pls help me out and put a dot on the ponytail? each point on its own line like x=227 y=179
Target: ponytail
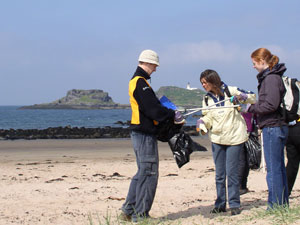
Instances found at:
x=273 y=61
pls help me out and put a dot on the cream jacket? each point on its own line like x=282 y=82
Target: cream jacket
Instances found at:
x=226 y=126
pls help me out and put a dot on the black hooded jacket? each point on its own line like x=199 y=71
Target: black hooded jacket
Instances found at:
x=147 y=111
x=270 y=93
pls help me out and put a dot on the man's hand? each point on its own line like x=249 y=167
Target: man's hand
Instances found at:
x=178 y=119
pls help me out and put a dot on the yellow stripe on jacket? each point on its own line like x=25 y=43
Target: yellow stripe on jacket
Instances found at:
x=135 y=116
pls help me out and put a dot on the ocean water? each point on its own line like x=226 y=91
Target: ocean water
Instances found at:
x=13 y=118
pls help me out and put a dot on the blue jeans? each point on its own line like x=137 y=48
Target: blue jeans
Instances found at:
x=274 y=139
x=226 y=159
x=143 y=185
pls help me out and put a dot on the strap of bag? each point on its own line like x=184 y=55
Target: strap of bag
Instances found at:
x=226 y=90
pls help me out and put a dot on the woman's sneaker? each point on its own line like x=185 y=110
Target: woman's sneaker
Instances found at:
x=244 y=191
x=235 y=211
x=218 y=210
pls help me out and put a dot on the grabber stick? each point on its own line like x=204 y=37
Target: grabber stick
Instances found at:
x=262 y=152
x=194 y=110
x=209 y=105
x=210 y=108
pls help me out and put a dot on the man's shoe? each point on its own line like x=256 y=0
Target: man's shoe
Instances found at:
x=124 y=217
x=145 y=219
x=244 y=191
x=218 y=210
x=235 y=211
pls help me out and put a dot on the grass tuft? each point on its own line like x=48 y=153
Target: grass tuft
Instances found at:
x=279 y=215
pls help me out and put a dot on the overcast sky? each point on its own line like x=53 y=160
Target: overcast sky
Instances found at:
x=48 y=47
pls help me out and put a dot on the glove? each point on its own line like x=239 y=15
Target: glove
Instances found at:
x=244 y=108
x=243 y=97
x=200 y=127
x=239 y=98
x=178 y=119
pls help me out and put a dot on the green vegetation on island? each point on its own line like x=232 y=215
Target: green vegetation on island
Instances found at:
x=181 y=96
x=98 y=99
x=81 y=99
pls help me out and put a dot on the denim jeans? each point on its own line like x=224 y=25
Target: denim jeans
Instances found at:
x=143 y=184
x=226 y=159
x=274 y=139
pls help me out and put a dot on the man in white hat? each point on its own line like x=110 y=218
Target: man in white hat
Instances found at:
x=147 y=113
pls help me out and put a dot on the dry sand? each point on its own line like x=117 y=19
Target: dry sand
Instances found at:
x=70 y=181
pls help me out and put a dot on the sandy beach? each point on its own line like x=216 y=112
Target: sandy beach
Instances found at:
x=79 y=181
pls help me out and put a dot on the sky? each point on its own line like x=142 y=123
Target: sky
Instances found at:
x=48 y=47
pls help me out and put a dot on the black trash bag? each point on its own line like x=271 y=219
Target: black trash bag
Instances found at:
x=253 y=148
x=182 y=146
x=167 y=129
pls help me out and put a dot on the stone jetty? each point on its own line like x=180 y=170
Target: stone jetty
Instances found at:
x=73 y=133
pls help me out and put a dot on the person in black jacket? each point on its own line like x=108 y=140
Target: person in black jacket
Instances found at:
x=273 y=125
x=147 y=114
x=293 y=153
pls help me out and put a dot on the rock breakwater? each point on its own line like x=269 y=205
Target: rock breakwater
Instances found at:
x=73 y=133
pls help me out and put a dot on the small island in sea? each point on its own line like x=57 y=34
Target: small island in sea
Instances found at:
x=81 y=99
x=98 y=99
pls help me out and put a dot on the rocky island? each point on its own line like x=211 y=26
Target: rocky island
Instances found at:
x=98 y=99
x=81 y=99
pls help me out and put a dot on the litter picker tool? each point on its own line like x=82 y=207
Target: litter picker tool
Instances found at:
x=167 y=103
x=210 y=107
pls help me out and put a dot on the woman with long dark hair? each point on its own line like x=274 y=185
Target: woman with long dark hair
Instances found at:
x=227 y=131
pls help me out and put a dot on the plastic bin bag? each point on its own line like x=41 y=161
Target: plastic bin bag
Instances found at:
x=253 y=148
x=167 y=129
x=182 y=146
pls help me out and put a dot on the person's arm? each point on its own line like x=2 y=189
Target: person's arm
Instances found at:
x=242 y=96
x=205 y=122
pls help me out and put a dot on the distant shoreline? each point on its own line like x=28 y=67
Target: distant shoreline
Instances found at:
x=88 y=107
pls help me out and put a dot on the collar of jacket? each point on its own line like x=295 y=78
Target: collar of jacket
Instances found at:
x=140 y=72
x=223 y=86
x=278 y=69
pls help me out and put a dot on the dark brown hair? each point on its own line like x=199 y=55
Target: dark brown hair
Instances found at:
x=214 y=79
x=265 y=54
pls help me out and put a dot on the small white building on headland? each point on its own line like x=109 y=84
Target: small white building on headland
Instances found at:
x=188 y=86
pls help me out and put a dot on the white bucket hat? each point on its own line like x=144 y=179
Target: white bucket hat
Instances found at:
x=149 y=56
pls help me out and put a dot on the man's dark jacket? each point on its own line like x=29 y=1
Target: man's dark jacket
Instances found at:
x=150 y=111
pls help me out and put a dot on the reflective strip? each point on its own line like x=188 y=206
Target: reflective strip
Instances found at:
x=135 y=116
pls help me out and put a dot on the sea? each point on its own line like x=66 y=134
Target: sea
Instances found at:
x=11 y=117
